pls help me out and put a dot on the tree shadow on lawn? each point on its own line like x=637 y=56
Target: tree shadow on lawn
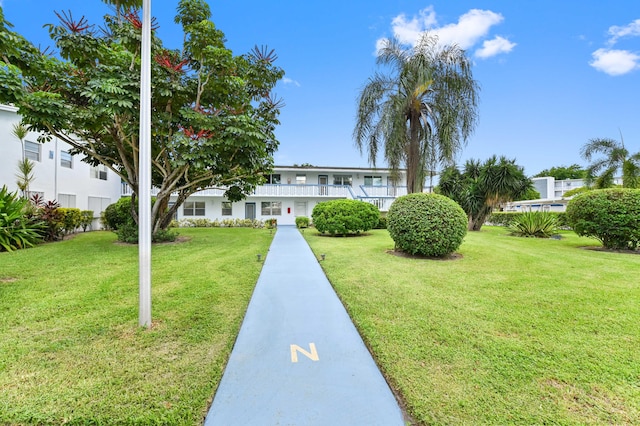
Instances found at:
x=399 y=253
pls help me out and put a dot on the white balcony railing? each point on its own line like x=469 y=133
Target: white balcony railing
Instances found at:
x=383 y=191
x=329 y=191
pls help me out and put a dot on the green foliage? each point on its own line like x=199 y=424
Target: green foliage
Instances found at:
x=426 y=224
x=534 y=224
x=382 y=223
x=615 y=157
x=118 y=214
x=214 y=113
x=574 y=171
x=507 y=218
x=342 y=217
x=302 y=222
x=226 y=223
x=610 y=215
x=16 y=231
x=481 y=187
x=421 y=113
x=71 y=219
x=49 y=213
x=270 y=223
x=576 y=191
x=86 y=218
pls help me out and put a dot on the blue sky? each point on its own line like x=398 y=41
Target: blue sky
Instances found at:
x=553 y=73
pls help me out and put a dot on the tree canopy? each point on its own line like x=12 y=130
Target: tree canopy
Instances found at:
x=574 y=171
x=213 y=113
x=422 y=112
x=481 y=187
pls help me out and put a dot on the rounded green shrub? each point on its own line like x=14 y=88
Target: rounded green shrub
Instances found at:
x=302 y=222
x=118 y=214
x=427 y=224
x=342 y=217
x=609 y=215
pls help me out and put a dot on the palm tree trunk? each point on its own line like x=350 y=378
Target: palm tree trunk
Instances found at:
x=414 y=183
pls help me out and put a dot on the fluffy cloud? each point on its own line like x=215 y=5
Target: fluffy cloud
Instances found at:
x=494 y=47
x=615 y=62
x=616 y=32
x=471 y=28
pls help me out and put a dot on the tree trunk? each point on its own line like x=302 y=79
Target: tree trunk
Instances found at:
x=414 y=183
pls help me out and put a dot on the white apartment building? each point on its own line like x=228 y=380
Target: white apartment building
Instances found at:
x=58 y=175
x=552 y=194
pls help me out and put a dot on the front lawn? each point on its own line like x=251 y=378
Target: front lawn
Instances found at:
x=517 y=331
x=71 y=349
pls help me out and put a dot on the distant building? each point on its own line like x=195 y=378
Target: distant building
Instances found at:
x=552 y=194
x=58 y=175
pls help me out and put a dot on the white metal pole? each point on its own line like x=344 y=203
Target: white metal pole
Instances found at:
x=144 y=191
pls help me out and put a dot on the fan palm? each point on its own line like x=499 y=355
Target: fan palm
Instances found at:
x=601 y=171
x=426 y=105
x=481 y=187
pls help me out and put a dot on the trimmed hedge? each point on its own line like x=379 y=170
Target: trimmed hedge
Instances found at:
x=610 y=215
x=302 y=222
x=507 y=218
x=427 y=224
x=342 y=217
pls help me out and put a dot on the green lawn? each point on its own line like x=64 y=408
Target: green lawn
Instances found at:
x=519 y=330
x=71 y=349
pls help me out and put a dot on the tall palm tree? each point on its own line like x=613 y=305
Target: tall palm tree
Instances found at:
x=428 y=103
x=601 y=171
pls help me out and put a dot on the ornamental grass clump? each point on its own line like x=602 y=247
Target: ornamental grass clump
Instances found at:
x=612 y=216
x=534 y=224
x=426 y=224
x=344 y=217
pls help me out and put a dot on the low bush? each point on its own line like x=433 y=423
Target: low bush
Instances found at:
x=118 y=214
x=270 y=223
x=534 y=224
x=382 y=223
x=426 y=224
x=302 y=222
x=71 y=219
x=86 y=218
x=342 y=217
x=507 y=218
x=16 y=230
x=610 y=215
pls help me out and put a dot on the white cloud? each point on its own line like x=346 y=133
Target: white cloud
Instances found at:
x=287 y=80
x=615 y=62
x=494 y=47
x=471 y=28
x=616 y=32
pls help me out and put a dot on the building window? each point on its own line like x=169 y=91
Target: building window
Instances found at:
x=271 y=208
x=301 y=179
x=98 y=205
x=193 y=208
x=99 y=172
x=32 y=150
x=66 y=160
x=67 y=200
x=273 y=179
x=373 y=181
x=342 y=180
x=226 y=208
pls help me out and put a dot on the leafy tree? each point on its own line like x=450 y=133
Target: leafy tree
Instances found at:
x=420 y=114
x=481 y=187
x=601 y=171
x=574 y=171
x=213 y=114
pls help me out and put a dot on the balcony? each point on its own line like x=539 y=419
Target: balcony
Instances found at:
x=323 y=191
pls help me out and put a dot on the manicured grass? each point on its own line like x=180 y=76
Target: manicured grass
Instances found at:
x=518 y=331
x=71 y=349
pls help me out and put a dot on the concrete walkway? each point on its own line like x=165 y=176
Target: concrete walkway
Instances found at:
x=298 y=359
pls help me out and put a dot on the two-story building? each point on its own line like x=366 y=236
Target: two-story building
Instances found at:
x=58 y=175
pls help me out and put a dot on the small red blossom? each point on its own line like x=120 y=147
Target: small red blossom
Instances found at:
x=166 y=61
x=193 y=135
